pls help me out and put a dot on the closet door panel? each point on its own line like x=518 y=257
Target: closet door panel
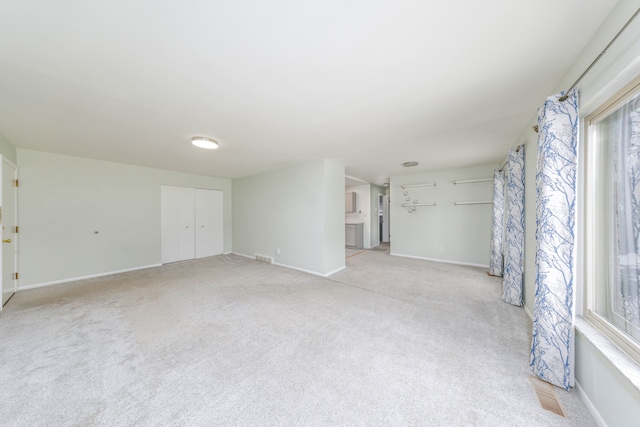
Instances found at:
x=186 y=210
x=170 y=223
x=202 y=217
x=191 y=222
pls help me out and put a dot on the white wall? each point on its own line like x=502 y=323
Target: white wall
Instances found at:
x=612 y=396
x=8 y=150
x=63 y=201
x=298 y=210
x=363 y=214
x=445 y=232
x=334 y=238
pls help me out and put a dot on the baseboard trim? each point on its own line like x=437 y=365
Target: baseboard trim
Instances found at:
x=335 y=271
x=243 y=255
x=304 y=270
x=90 y=276
x=526 y=310
x=592 y=409
x=445 y=261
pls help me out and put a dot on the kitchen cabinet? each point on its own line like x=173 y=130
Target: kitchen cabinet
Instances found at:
x=351 y=202
x=354 y=235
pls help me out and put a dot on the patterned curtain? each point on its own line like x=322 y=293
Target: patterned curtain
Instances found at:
x=553 y=315
x=497 y=225
x=514 y=246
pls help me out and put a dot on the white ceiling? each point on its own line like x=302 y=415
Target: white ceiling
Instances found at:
x=367 y=83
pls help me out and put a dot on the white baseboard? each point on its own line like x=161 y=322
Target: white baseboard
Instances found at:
x=335 y=271
x=526 y=310
x=90 y=276
x=445 y=261
x=315 y=273
x=243 y=255
x=592 y=409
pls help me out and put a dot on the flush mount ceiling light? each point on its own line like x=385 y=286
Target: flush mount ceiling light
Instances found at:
x=204 y=142
x=409 y=164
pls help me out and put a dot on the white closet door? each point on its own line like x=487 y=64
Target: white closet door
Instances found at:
x=191 y=222
x=170 y=223
x=186 y=209
x=203 y=209
x=208 y=217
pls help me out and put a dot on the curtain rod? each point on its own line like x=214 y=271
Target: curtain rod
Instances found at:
x=473 y=203
x=470 y=181
x=408 y=205
x=428 y=184
x=566 y=94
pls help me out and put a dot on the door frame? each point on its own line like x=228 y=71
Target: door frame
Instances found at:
x=4 y=161
x=386 y=213
x=379 y=217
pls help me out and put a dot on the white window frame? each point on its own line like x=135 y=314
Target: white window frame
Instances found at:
x=592 y=188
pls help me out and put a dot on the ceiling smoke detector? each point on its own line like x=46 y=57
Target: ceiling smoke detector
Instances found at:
x=409 y=164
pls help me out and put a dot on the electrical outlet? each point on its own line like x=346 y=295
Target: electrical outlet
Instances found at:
x=278 y=251
x=439 y=248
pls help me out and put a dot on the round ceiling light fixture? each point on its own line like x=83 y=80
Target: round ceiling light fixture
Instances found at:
x=204 y=142
x=409 y=164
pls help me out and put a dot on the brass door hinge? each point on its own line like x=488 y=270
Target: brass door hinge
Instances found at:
x=16 y=229
x=15 y=183
x=15 y=275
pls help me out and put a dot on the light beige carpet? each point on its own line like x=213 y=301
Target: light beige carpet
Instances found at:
x=352 y=252
x=230 y=341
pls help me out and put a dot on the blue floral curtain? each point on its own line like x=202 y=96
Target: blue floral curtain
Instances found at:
x=497 y=225
x=553 y=314
x=514 y=245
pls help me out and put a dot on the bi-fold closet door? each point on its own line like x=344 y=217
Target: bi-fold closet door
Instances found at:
x=191 y=222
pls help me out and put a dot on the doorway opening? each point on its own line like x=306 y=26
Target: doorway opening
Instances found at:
x=383 y=218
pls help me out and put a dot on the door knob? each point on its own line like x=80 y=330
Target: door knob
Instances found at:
x=6 y=241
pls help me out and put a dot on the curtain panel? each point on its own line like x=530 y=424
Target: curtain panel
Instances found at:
x=514 y=241
x=553 y=310
x=497 y=224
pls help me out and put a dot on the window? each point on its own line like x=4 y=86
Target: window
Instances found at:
x=612 y=219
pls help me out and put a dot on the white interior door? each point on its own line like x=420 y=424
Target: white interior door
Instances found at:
x=9 y=223
x=170 y=223
x=186 y=215
x=191 y=222
x=385 y=219
x=203 y=222
x=208 y=217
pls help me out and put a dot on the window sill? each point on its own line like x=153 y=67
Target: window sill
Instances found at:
x=619 y=359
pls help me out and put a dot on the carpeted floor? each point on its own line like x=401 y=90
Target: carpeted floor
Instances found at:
x=230 y=341
x=352 y=252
